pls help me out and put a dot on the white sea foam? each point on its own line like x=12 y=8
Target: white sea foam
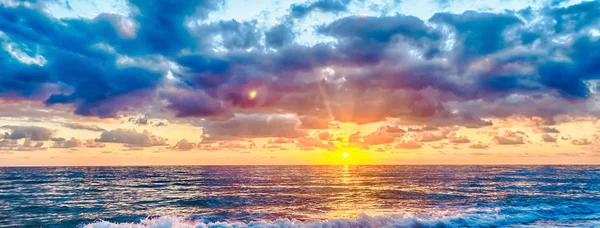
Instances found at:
x=362 y=221
x=473 y=217
x=486 y=218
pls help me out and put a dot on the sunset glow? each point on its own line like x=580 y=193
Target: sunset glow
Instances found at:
x=299 y=113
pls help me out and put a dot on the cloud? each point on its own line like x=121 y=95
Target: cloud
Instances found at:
x=425 y=128
x=254 y=126
x=71 y=143
x=274 y=146
x=408 y=145
x=448 y=70
x=385 y=134
x=510 y=138
x=548 y=138
x=307 y=142
x=75 y=143
x=355 y=138
x=311 y=122
x=183 y=144
x=454 y=138
x=139 y=120
x=90 y=143
x=145 y=120
x=233 y=34
x=233 y=145
x=479 y=154
x=393 y=129
x=581 y=142
x=549 y=130
x=324 y=135
x=439 y=145
x=473 y=36
x=381 y=136
x=193 y=103
x=478 y=145
x=279 y=35
x=573 y=154
x=160 y=124
x=329 y=6
x=280 y=140
x=131 y=138
x=78 y=126
x=27 y=145
x=71 y=49
x=433 y=137
x=28 y=132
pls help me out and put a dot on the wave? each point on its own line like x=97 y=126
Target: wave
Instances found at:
x=480 y=218
x=361 y=221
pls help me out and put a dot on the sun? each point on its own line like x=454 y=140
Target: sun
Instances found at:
x=345 y=155
x=252 y=94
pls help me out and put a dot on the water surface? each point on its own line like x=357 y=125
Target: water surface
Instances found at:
x=331 y=196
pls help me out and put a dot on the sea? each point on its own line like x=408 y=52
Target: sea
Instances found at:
x=301 y=196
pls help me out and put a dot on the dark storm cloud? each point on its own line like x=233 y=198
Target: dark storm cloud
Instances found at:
x=452 y=69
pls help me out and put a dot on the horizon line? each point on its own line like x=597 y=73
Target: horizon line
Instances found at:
x=214 y=165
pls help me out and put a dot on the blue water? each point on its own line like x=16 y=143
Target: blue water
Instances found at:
x=301 y=196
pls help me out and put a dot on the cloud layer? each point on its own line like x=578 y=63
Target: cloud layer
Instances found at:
x=239 y=80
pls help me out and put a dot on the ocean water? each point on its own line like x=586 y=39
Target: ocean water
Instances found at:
x=301 y=196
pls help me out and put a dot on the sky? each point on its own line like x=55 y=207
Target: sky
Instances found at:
x=286 y=82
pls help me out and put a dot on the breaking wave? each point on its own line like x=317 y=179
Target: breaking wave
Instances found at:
x=479 y=218
x=361 y=221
